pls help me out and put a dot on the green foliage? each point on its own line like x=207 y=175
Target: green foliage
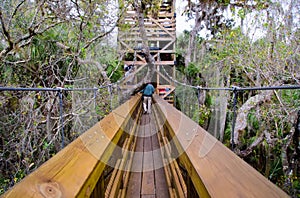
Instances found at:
x=114 y=70
x=151 y=7
x=53 y=56
x=253 y=122
x=204 y=115
x=291 y=97
x=235 y=59
x=241 y=13
x=180 y=63
x=192 y=73
x=228 y=130
x=224 y=2
x=192 y=70
x=182 y=42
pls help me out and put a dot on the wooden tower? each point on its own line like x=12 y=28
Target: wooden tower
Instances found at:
x=161 y=35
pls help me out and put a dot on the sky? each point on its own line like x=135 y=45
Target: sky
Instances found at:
x=252 y=22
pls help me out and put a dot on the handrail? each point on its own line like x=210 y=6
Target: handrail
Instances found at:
x=76 y=170
x=215 y=171
x=79 y=170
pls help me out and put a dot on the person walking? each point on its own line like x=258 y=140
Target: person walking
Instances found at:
x=147 y=97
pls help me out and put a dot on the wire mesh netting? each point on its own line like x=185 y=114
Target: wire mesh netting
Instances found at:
x=35 y=125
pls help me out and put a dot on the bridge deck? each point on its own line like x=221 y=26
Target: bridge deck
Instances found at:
x=147 y=178
x=173 y=157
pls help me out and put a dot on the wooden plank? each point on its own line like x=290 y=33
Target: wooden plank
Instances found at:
x=152 y=33
x=148 y=186
x=214 y=169
x=169 y=44
x=151 y=39
x=129 y=48
x=112 y=179
x=155 y=51
x=156 y=63
x=168 y=92
x=134 y=185
x=164 y=162
x=152 y=28
x=148 y=196
x=59 y=176
x=135 y=179
x=131 y=148
x=131 y=22
x=160 y=178
x=118 y=179
x=161 y=20
x=129 y=165
x=133 y=13
x=126 y=46
x=162 y=27
x=161 y=185
x=179 y=189
x=155 y=32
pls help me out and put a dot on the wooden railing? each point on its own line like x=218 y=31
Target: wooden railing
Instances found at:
x=209 y=168
x=196 y=164
x=79 y=170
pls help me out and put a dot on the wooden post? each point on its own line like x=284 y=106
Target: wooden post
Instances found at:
x=160 y=31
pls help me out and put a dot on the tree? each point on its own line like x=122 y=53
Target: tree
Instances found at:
x=210 y=15
x=144 y=9
x=50 y=44
x=265 y=131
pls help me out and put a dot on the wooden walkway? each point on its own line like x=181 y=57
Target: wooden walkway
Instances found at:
x=193 y=163
x=147 y=179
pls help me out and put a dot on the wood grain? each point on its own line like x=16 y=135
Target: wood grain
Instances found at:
x=214 y=169
x=75 y=170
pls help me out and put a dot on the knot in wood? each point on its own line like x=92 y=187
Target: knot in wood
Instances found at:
x=50 y=189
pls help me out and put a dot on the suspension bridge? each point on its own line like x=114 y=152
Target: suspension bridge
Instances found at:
x=131 y=154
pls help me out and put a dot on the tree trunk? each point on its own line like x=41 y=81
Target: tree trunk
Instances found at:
x=241 y=119
x=193 y=34
x=149 y=58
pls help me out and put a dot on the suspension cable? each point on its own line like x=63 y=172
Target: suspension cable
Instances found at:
x=52 y=89
x=60 y=94
x=233 y=88
x=60 y=91
x=130 y=75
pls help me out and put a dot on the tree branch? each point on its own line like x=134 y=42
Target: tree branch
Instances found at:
x=31 y=34
x=100 y=67
x=241 y=120
x=6 y=34
x=15 y=12
x=254 y=144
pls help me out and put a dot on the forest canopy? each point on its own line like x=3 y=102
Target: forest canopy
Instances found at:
x=71 y=44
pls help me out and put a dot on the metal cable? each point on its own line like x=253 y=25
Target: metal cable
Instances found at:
x=60 y=91
x=233 y=88
x=235 y=95
x=52 y=89
x=235 y=91
x=60 y=94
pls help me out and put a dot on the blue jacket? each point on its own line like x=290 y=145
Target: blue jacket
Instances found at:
x=149 y=90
